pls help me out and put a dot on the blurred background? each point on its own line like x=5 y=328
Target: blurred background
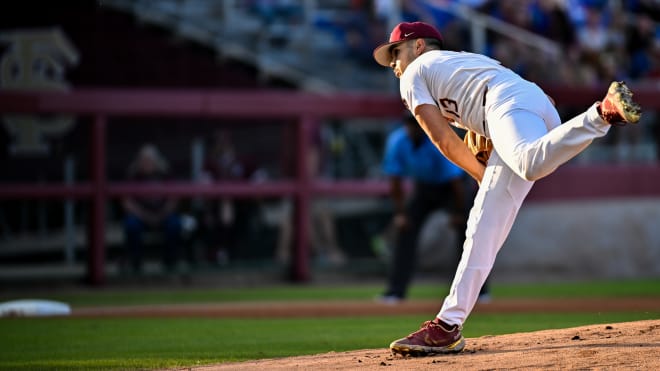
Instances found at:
x=213 y=178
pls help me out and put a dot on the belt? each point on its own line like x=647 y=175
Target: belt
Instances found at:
x=483 y=104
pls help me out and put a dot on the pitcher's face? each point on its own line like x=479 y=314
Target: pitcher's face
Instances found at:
x=401 y=56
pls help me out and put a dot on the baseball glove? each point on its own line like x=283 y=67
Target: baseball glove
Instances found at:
x=480 y=146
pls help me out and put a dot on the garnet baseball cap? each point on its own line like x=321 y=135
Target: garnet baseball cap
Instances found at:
x=403 y=32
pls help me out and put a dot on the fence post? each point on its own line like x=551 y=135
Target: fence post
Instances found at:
x=69 y=219
x=96 y=232
x=301 y=201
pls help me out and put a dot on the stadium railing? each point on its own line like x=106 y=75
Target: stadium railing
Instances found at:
x=100 y=104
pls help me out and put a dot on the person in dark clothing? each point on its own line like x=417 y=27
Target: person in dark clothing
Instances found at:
x=151 y=212
x=437 y=185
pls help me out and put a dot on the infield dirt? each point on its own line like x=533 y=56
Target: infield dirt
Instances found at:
x=617 y=346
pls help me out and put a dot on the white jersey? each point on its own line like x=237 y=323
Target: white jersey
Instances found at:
x=456 y=82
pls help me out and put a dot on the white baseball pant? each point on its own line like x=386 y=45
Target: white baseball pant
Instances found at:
x=528 y=145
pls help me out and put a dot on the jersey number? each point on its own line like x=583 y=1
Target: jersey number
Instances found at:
x=450 y=106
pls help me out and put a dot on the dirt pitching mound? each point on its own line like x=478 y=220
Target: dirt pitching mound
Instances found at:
x=629 y=345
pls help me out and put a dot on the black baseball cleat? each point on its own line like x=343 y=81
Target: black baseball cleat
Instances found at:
x=618 y=107
x=434 y=337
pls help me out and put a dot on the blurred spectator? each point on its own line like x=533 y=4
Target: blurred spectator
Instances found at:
x=511 y=52
x=594 y=35
x=515 y=12
x=271 y=11
x=648 y=7
x=277 y=16
x=223 y=219
x=550 y=19
x=323 y=235
x=363 y=29
x=438 y=185
x=598 y=39
x=359 y=26
x=144 y=213
x=641 y=45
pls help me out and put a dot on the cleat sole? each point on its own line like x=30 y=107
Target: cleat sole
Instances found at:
x=631 y=111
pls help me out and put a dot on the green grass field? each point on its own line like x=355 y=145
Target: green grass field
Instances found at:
x=132 y=296
x=150 y=343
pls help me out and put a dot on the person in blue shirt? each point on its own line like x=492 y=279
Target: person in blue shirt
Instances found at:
x=437 y=184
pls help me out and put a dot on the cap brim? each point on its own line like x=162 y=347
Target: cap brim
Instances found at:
x=382 y=53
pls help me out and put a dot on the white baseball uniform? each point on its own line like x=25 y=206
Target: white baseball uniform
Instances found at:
x=477 y=93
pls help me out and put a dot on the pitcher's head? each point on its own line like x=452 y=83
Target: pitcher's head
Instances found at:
x=408 y=40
